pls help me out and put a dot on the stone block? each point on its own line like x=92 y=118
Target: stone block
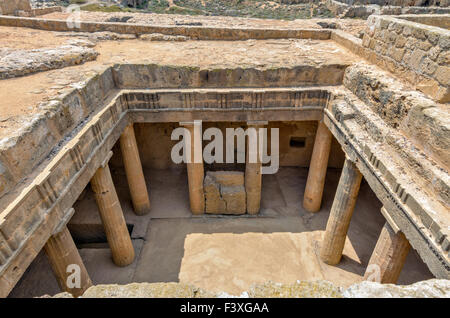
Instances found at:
x=428 y=66
x=214 y=202
x=224 y=192
x=443 y=75
x=397 y=54
x=235 y=198
x=400 y=41
x=416 y=59
x=444 y=58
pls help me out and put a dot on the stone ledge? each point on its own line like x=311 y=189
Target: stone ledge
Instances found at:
x=197 y=33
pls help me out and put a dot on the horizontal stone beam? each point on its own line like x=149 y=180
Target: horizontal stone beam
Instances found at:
x=195 y=32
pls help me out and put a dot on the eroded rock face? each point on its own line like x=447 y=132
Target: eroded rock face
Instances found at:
x=146 y=290
x=224 y=192
x=433 y=288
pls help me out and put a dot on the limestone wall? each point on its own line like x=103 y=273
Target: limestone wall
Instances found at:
x=8 y=7
x=420 y=52
x=365 y=8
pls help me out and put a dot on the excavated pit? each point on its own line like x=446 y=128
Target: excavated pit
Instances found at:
x=379 y=122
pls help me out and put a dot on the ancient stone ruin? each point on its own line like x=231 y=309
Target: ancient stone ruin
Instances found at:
x=342 y=191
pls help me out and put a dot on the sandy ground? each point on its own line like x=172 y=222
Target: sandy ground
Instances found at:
x=224 y=253
x=20 y=97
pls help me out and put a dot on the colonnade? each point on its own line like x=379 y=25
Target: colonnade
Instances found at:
x=385 y=263
x=60 y=248
x=392 y=246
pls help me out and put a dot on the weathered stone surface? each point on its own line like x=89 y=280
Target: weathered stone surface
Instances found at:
x=228 y=178
x=225 y=192
x=213 y=200
x=99 y=36
x=60 y=295
x=146 y=290
x=420 y=43
x=433 y=288
x=163 y=37
x=234 y=198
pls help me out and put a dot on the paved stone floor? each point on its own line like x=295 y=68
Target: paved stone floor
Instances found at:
x=223 y=253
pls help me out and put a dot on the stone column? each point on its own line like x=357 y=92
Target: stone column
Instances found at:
x=388 y=257
x=253 y=177
x=341 y=214
x=195 y=168
x=112 y=216
x=133 y=169
x=67 y=264
x=317 y=169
